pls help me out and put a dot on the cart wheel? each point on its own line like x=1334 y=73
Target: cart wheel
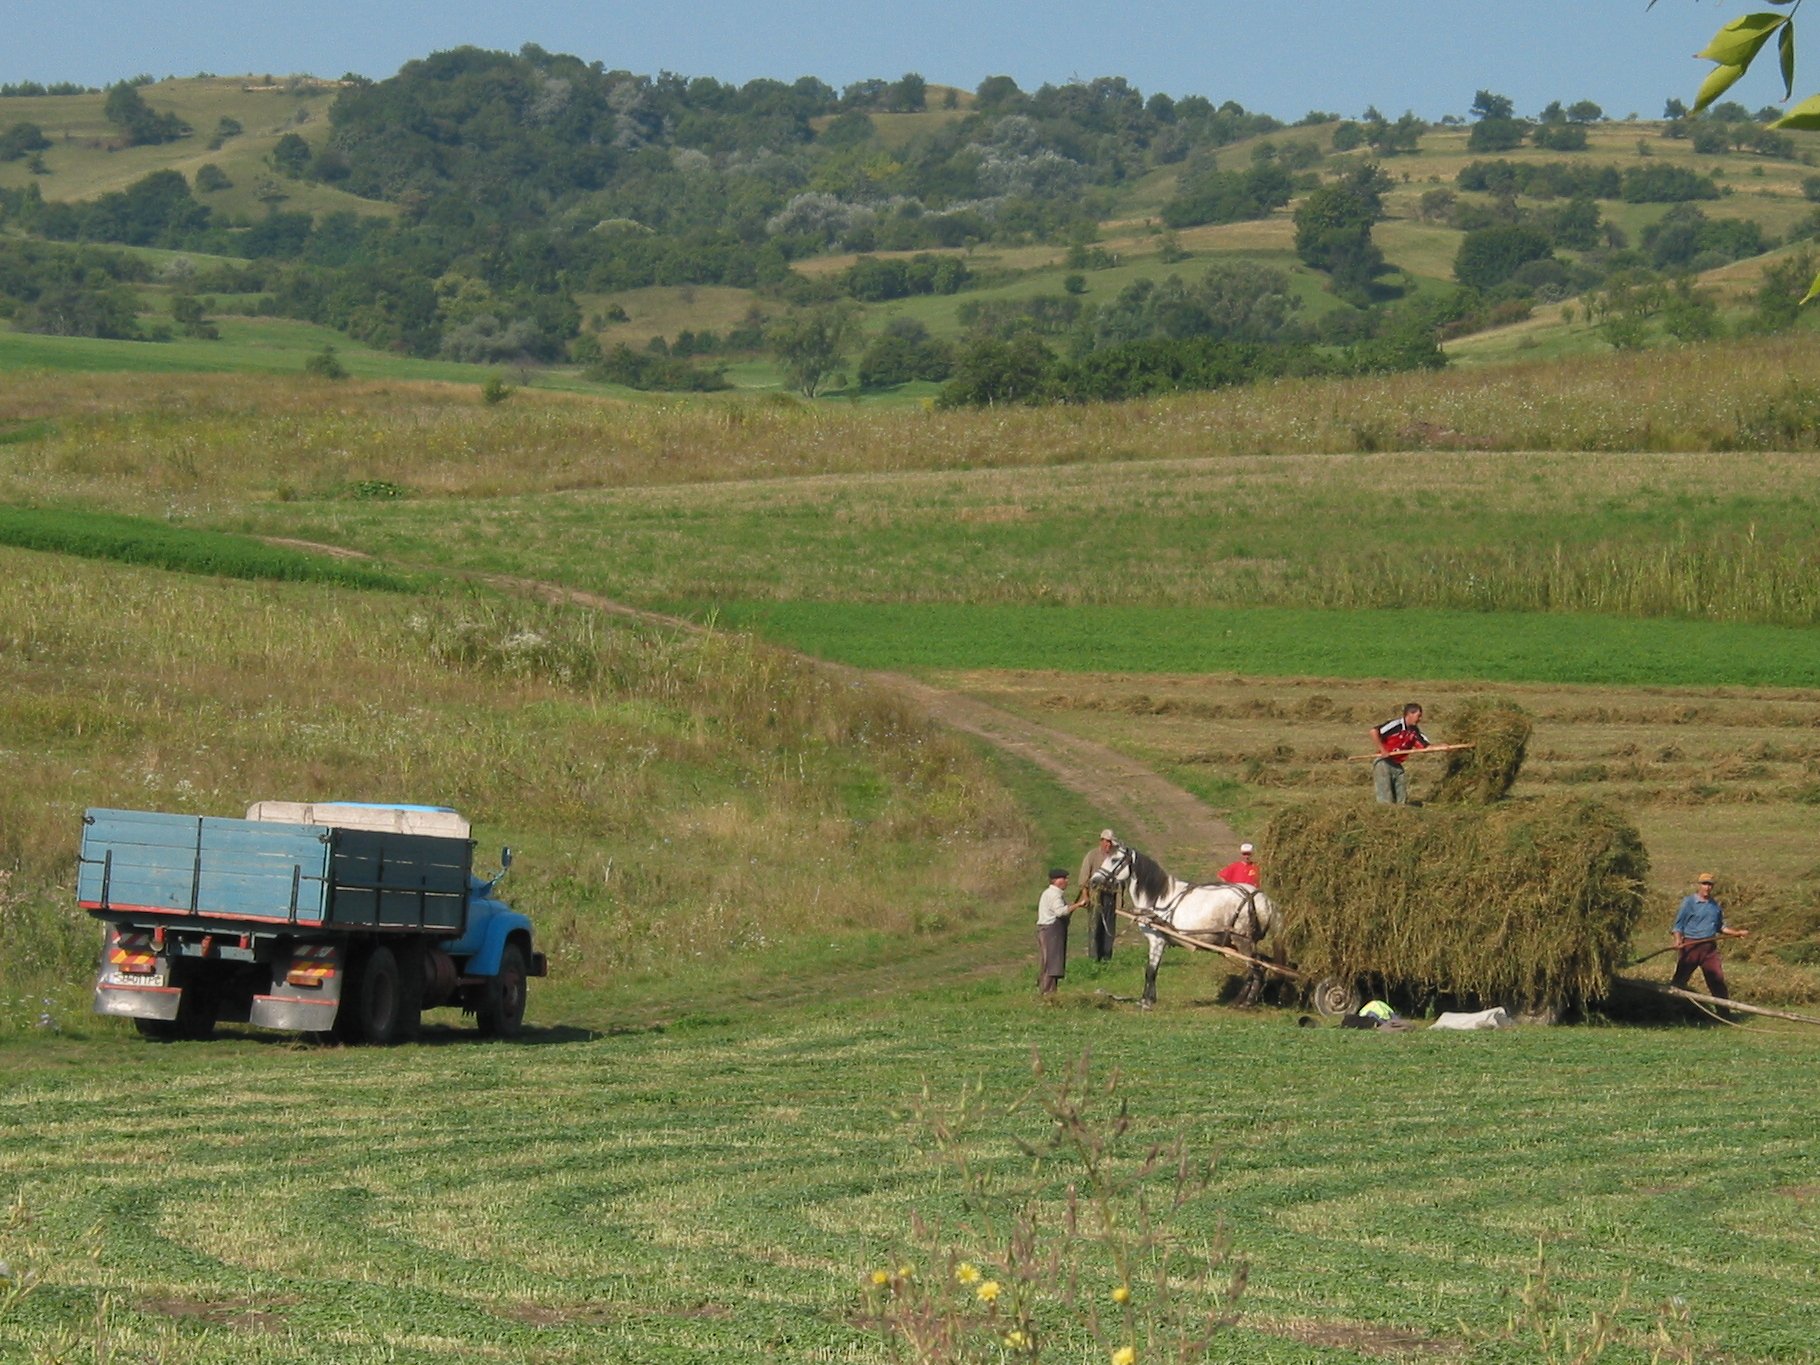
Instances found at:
x=1335 y=996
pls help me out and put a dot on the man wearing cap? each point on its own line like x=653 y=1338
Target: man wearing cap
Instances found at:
x=1244 y=869
x=1395 y=738
x=1699 y=925
x=1052 y=911
x=1106 y=901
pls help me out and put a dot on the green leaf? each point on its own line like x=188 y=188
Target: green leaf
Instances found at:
x=1805 y=115
x=1786 y=44
x=1738 y=43
x=1813 y=290
x=1715 y=85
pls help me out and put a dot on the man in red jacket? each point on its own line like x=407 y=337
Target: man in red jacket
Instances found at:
x=1244 y=869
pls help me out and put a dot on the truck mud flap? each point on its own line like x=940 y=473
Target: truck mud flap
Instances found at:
x=305 y=994
x=137 y=1002
x=311 y=1015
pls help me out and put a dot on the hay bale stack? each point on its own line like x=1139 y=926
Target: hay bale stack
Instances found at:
x=1526 y=903
x=1499 y=731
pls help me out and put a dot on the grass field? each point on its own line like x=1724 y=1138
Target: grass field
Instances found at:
x=1700 y=537
x=718 y=1189
x=85 y=161
x=1438 y=645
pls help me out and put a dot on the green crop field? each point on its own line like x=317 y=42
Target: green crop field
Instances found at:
x=1450 y=645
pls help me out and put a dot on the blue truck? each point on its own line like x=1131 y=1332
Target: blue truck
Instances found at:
x=343 y=918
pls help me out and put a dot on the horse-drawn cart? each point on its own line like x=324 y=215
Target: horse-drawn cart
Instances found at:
x=1526 y=905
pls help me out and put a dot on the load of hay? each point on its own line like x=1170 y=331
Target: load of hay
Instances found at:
x=1526 y=903
x=1498 y=731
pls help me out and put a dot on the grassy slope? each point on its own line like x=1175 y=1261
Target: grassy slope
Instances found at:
x=698 y=1157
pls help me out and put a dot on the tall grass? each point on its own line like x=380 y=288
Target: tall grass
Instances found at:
x=210 y=437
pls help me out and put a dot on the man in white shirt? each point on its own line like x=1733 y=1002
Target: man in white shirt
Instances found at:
x=1052 y=912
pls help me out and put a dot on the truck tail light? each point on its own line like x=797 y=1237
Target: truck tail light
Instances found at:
x=312 y=964
x=132 y=952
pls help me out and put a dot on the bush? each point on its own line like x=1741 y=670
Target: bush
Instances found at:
x=325 y=364
x=1564 y=137
x=1666 y=185
x=654 y=371
x=1490 y=256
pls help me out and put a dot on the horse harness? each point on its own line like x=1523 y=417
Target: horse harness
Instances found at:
x=1250 y=893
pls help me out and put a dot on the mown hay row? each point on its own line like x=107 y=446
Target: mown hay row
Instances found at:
x=1524 y=903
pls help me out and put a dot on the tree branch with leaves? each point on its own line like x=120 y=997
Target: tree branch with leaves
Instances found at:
x=1732 y=51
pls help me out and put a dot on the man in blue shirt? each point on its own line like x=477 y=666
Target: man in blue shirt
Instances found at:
x=1699 y=926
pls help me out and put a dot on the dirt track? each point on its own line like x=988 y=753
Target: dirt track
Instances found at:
x=1144 y=808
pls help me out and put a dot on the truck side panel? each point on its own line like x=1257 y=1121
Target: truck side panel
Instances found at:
x=213 y=868
x=399 y=880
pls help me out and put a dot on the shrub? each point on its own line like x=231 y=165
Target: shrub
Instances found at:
x=325 y=364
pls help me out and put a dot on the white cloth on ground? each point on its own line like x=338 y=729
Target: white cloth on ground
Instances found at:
x=1491 y=1018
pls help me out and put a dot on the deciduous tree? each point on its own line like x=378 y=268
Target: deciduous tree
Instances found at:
x=809 y=344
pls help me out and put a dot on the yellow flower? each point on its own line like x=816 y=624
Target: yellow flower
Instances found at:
x=1121 y=1294
x=904 y=1272
x=880 y=1277
x=967 y=1273
x=1125 y=1355
x=1015 y=1339
x=988 y=1292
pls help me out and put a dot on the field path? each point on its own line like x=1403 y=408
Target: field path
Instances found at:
x=1144 y=807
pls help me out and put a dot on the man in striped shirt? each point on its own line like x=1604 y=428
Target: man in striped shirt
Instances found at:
x=1396 y=738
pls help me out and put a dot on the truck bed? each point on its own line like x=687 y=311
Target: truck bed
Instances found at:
x=207 y=868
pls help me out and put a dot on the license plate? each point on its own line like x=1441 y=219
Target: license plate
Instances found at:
x=134 y=979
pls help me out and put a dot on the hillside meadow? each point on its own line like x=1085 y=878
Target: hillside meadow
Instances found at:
x=781 y=906
x=1091 y=261
x=136 y=440
x=673 y=796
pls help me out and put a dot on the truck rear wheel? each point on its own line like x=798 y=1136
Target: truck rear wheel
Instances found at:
x=373 y=1008
x=413 y=971
x=502 y=1003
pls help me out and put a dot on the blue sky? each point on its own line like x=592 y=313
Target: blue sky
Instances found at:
x=1283 y=59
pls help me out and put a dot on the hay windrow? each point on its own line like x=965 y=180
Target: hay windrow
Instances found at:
x=1499 y=732
x=1524 y=903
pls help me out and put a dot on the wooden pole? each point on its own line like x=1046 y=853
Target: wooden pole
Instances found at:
x=1182 y=939
x=1408 y=753
x=1718 y=1001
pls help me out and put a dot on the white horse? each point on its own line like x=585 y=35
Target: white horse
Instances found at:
x=1230 y=914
